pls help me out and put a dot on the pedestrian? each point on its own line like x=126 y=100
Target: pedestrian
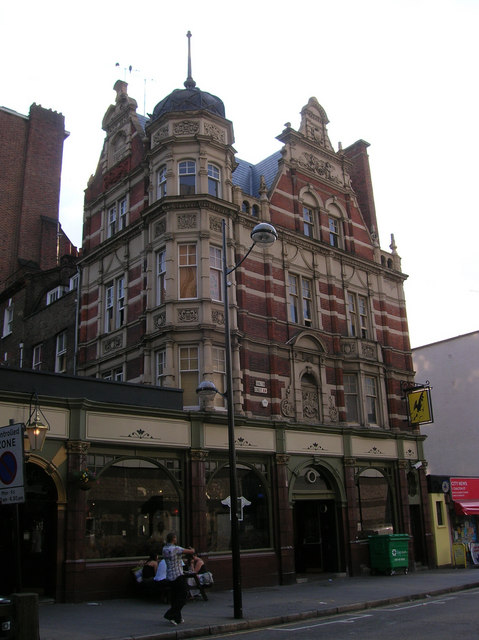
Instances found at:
x=174 y=574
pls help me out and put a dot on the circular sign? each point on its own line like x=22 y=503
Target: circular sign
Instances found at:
x=8 y=467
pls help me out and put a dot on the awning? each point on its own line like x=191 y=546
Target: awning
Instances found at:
x=467 y=507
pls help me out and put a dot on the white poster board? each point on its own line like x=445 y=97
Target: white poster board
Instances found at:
x=11 y=464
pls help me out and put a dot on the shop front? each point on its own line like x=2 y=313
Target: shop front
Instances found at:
x=465 y=515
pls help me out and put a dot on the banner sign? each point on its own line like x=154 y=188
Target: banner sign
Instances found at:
x=11 y=464
x=464 y=488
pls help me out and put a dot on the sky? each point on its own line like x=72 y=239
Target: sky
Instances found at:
x=400 y=74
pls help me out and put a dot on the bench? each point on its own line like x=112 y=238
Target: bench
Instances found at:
x=198 y=585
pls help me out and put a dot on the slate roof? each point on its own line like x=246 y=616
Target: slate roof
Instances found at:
x=143 y=120
x=247 y=175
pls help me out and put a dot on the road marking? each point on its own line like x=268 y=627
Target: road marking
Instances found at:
x=414 y=606
x=323 y=624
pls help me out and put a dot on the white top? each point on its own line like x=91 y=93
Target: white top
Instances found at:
x=161 y=571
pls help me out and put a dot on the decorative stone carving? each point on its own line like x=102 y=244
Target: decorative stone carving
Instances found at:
x=186 y=221
x=186 y=128
x=160 y=134
x=333 y=411
x=215 y=224
x=242 y=442
x=217 y=317
x=199 y=455
x=118 y=123
x=368 y=350
x=310 y=405
x=315 y=446
x=113 y=343
x=375 y=451
x=287 y=406
x=140 y=434
x=320 y=167
x=215 y=132
x=349 y=347
x=187 y=315
x=160 y=320
x=160 y=228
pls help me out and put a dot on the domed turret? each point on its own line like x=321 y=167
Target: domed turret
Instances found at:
x=190 y=98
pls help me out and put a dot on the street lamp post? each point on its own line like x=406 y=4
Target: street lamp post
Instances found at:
x=263 y=234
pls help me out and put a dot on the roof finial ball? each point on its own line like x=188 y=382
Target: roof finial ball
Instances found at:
x=189 y=82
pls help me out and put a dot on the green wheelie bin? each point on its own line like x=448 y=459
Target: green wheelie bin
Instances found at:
x=387 y=553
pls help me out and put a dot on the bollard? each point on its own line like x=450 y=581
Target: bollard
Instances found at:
x=25 y=606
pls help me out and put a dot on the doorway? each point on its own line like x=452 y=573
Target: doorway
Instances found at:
x=418 y=534
x=28 y=539
x=316 y=536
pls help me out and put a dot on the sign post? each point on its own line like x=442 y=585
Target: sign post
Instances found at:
x=12 y=490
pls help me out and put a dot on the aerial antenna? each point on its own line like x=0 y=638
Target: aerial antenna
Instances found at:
x=189 y=82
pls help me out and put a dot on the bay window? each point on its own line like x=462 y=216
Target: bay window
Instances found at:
x=189 y=374
x=160 y=277
x=214 y=185
x=187 y=271
x=216 y=272
x=187 y=177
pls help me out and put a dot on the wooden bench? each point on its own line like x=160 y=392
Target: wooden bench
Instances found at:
x=198 y=585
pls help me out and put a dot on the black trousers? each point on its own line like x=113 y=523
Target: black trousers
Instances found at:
x=178 y=599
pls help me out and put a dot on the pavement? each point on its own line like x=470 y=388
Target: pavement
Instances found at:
x=310 y=597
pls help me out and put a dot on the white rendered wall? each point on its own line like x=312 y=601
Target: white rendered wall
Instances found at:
x=452 y=368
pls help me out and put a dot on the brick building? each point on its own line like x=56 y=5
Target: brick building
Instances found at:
x=319 y=336
x=320 y=352
x=37 y=260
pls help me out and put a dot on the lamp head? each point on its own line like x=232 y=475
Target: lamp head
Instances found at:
x=35 y=427
x=206 y=391
x=264 y=233
x=206 y=388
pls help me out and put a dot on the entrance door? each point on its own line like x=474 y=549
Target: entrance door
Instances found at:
x=315 y=536
x=28 y=551
x=418 y=534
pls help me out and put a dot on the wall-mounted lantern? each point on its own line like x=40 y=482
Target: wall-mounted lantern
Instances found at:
x=37 y=425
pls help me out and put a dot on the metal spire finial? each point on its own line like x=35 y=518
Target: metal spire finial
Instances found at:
x=189 y=82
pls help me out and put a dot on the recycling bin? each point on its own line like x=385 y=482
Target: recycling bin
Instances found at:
x=387 y=553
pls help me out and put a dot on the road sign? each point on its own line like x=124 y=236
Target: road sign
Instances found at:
x=11 y=464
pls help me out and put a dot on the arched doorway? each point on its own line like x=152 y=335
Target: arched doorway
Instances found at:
x=28 y=538
x=317 y=522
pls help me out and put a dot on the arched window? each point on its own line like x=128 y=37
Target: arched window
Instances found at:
x=187 y=177
x=254 y=530
x=245 y=206
x=131 y=508
x=255 y=211
x=335 y=235
x=375 y=502
x=310 y=395
x=308 y=222
x=214 y=184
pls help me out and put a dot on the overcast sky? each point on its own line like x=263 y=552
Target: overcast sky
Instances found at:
x=400 y=74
